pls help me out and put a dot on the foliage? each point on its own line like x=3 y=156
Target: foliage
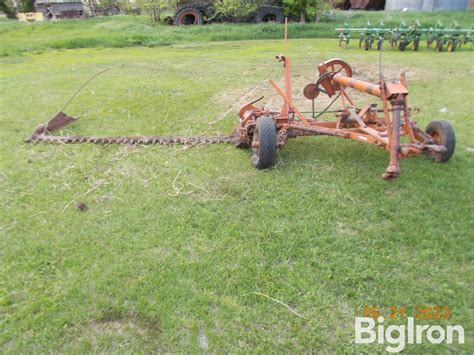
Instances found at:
x=26 y=6
x=155 y=8
x=7 y=8
x=309 y=9
x=235 y=8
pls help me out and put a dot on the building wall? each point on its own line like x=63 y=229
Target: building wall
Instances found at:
x=427 y=5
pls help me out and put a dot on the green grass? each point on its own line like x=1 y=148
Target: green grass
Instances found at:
x=147 y=270
x=127 y=31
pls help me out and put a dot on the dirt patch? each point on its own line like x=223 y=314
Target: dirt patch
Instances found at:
x=114 y=331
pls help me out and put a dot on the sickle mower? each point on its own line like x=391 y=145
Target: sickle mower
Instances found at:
x=264 y=130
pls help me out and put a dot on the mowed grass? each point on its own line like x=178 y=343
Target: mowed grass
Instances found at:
x=177 y=244
x=129 y=31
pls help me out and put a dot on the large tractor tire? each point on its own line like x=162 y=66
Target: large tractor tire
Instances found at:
x=189 y=15
x=264 y=140
x=269 y=14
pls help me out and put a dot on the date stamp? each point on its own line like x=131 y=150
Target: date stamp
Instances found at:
x=401 y=312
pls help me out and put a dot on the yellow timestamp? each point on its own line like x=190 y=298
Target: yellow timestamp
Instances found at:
x=401 y=312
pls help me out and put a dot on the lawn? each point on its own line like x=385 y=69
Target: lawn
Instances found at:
x=129 y=31
x=179 y=248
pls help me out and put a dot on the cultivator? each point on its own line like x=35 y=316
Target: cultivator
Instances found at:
x=403 y=36
x=389 y=126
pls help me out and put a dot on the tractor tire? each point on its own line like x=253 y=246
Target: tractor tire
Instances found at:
x=189 y=15
x=402 y=46
x=441 y=133
x=452 y=45
x=416 y=44
x=269 y=14
x=263 y=156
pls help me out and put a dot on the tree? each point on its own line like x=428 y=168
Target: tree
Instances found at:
x=306 y=9
x=7 y=8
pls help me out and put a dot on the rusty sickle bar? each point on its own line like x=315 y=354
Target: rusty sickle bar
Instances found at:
x=42 y=134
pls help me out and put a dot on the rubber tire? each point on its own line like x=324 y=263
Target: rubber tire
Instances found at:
x=416 y=44
x=265 y=132
x=446 y=137
x=266 y=11
x=192 y=10
x=402 y=46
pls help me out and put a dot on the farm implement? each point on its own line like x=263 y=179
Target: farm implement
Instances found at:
x=263 y=130
x=403 y=36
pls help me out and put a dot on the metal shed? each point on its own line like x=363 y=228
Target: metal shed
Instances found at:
x=426 y=5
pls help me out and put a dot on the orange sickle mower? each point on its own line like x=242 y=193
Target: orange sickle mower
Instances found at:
x=264 y=130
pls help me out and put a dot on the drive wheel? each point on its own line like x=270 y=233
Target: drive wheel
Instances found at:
x=264 y=140
x=441 y=133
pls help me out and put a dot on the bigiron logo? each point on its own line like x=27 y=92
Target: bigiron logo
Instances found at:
x=397 y=336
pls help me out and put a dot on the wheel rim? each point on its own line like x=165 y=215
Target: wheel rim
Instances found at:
x=436 y=138
x=188 y=18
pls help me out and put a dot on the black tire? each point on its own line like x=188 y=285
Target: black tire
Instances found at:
x=269 y=14
x=441 y=133
x=264 y=135
x=402 y=45
x=416 y=44
x=189 y=15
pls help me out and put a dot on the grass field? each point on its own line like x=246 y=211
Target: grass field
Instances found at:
x=179 y=246
x=127 y=31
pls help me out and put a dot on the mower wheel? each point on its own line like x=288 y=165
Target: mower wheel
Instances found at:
x=264 y=140
x=441 y=133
